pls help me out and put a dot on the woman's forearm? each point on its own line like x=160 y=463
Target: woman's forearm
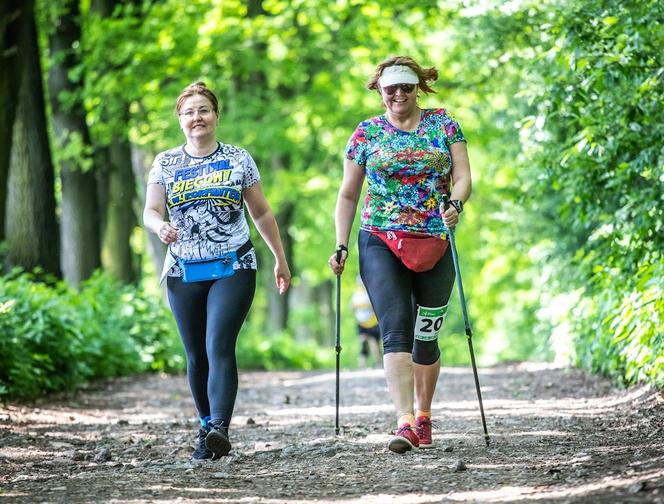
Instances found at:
x=349 y=195
x=266 y=224
x=344 y=216
x=462 y=184
x=152 y=220
x=462 y=188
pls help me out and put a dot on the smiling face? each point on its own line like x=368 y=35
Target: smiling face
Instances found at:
x=198 y=118
x=398 y=100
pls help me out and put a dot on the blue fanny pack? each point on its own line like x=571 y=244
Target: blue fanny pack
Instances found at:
x=200 y=270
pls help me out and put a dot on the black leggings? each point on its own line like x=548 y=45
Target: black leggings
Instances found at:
x=209 y=316
x=395 y=292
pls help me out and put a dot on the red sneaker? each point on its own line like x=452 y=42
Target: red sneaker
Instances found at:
x=423 y=429
x=404 y=440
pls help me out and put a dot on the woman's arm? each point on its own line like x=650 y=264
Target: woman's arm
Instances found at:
x=153 y=214
x=344 y=214
x=266 y=224
x=462 y=183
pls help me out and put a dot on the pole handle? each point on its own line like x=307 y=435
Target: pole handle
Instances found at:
x=340 y=248
x=446 y=201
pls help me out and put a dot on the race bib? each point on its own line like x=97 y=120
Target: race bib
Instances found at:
x=428 y=322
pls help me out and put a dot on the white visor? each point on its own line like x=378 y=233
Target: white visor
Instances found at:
x=398 y=74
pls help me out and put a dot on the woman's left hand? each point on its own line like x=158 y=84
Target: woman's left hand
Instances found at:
x=450 y=216
x=283 y=276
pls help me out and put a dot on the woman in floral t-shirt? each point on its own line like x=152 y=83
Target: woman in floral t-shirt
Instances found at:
x=411 y=158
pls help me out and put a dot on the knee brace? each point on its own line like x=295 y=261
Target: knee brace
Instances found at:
x=427 y=328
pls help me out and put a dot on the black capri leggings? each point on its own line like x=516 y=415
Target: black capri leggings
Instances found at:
x=395 y=293
x=209 y=316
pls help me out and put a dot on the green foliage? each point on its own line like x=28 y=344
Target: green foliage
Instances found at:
x=115 y=313
x=560 y=245
x=622 y=330
x=566 y=102
x=74 y=150
x=594 y=178
x=257 y=350
x=40 y=350
x=55 y=338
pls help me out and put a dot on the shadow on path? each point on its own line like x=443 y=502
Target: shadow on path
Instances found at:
x=557 y=435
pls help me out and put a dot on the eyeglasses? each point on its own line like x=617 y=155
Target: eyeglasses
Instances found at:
x=190 y=113
x=406 y=88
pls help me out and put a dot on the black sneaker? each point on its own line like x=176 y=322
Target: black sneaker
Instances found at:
x=201 y=452
x=217 y=440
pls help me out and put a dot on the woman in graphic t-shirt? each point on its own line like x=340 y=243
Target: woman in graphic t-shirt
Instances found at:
x=411 y=158
x=205 y=184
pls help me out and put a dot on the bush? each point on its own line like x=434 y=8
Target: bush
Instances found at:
x=55 y=338
x=256 y=350
x=594 y=181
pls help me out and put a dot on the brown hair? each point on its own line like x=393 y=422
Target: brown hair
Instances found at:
x=196 y=88
x=425 y=74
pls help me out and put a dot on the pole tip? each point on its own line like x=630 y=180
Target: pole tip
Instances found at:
x=488 y=441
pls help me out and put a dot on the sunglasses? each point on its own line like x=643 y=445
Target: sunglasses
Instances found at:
x=406 y=88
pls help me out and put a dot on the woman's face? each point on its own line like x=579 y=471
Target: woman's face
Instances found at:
x=398 y=100
x=198 y=119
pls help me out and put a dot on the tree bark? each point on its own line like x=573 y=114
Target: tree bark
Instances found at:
x=155 y=248
x=324 y=293
x=14 y=20
x=117 y=189
x=278 y=304
x=79 y=221
x=117 y=255
x=32 y=233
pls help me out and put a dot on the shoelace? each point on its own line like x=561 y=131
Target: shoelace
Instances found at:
x=420 y=428
x=218 y=426
x=402 y=429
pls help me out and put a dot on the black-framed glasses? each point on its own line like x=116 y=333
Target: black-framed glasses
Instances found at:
x=406 y=88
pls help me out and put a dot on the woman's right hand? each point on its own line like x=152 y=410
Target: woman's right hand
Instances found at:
x=338 y=266
x=168 y=233
x=282 y=276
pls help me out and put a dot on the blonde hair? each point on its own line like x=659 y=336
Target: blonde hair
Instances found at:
x=425 y=75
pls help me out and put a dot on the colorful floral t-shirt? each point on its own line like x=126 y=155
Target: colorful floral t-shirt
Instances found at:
x=407 y=171
x=204 y=200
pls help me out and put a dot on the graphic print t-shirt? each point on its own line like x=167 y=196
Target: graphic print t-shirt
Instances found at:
x=204 y=200
x=407 y=171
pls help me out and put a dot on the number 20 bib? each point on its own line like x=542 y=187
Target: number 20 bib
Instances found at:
x=429 y=322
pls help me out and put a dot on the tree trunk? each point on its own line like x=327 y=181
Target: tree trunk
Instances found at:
x=117 y=193
x=324 y=294
x=156 y=249
x=32 y=233
x=15 y=16
x=117 y=256
x=278 y=305
x=79 y=221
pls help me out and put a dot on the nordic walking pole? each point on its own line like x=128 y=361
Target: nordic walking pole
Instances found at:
x=469 y=332
x=337 y=345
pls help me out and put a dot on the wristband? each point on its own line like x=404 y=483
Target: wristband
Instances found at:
x=342 y=248
x=457 y=204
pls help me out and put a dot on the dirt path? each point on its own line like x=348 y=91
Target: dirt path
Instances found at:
x=556 y=436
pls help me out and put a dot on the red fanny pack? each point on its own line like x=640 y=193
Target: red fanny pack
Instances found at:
x=417 y=252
